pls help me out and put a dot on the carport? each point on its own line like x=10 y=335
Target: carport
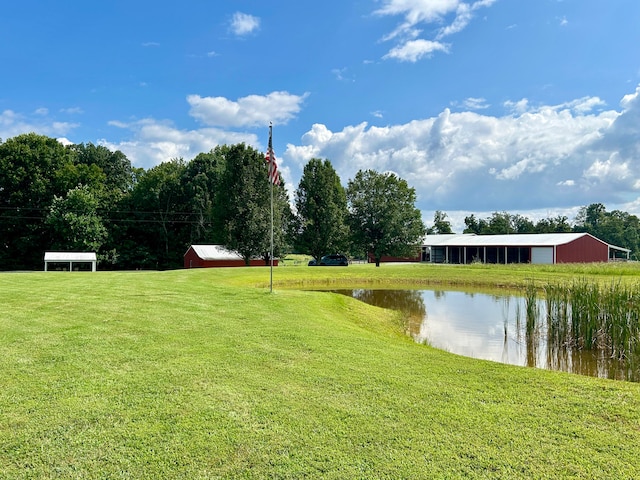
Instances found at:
x=70 y=261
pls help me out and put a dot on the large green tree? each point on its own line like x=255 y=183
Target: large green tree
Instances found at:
x=33 y=169
x=383 y=217
x=321 y=203
x=244 y=205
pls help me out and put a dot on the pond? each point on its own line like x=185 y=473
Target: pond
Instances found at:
x=491 y=327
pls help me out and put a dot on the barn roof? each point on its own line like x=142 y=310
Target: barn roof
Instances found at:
x=215 y=252
x=69 y=256
x=513 y=240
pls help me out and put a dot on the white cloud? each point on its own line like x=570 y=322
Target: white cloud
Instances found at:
x=13 y=124
x=72 y=110
x=629 y=100
x=154 y=142
x=417 y=11
x=414 y=50
x=579 y=106
x=460 y=22
x=341 y=75
x=244 y=24
x=566 y=183
x=545 y=157
x=250 y=111
x=454 y=14
x=474 y=103
x=518 y=107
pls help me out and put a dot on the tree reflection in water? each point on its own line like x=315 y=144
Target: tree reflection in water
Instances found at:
x=409 y=302
x=493 y=327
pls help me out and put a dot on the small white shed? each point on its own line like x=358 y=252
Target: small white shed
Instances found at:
x=67 y=260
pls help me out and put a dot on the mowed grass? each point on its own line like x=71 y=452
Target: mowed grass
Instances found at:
x=205 y=374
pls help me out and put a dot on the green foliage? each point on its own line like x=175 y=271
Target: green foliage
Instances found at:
x=616 y=227
x=245 y=203
x=154 y=233
x=440 y=224
x=383 y=216
x=112 y=169
x=201 y=181
x=321 y=203
x=32 y=172
x=74 y=221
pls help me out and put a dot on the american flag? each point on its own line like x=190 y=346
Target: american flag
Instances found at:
x=270 y=157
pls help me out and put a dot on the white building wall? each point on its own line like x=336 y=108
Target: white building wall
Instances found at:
x=542 y=255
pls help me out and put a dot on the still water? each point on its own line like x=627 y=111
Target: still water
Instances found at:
x=490 y=327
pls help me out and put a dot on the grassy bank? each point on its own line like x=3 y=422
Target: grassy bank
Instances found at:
x=514 y=276
x=199 y=374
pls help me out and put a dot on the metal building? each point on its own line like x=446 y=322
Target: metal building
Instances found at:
x=544 y=248
x=70 y=261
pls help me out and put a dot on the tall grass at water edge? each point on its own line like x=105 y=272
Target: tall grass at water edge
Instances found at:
x=586 y=315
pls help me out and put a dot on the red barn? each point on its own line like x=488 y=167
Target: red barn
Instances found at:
x=207 y=256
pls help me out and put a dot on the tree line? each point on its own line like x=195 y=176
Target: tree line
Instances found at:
x=87 y=198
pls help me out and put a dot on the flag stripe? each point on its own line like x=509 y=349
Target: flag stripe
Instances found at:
x=270 y=157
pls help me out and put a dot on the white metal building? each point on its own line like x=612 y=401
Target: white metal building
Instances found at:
x=79 y=261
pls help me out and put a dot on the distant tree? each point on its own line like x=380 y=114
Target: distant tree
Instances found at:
x=522 y=224
x=321 y=203
x=558 y=224
x=589 y=218
x=75 y=223
x=383 y=217
x=500 y=223
x=440 y=224
x=473 y=225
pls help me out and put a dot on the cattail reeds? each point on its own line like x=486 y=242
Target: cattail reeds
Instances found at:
x=585 y=315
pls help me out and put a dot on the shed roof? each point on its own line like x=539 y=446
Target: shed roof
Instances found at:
x=215 y=252
x=69 y=257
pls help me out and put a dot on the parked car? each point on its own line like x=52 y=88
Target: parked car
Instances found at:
x=313 y=263
x=335 y=260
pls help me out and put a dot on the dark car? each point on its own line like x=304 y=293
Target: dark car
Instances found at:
x=336 y=260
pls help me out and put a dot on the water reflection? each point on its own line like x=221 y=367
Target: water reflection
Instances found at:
x=491 y=327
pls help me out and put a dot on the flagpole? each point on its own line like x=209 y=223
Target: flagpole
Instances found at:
x=271 y=188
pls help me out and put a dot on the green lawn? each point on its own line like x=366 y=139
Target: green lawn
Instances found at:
x=205 y=374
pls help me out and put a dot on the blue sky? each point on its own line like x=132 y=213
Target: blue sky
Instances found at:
x=525 y=106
